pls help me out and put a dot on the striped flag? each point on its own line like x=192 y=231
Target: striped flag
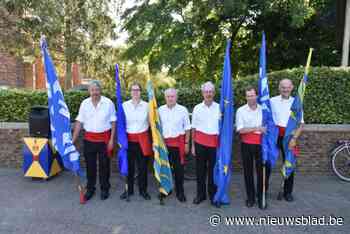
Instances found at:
x=161 y=163
x=294 y=122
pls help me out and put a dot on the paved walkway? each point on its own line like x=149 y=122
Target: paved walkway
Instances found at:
x=28 y=206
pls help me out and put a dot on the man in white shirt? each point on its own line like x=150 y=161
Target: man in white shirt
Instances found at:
x=280 y=106
x=205 y=131
x=139 y=141
x=97 y=116
x=249 y=126
x=176 y=128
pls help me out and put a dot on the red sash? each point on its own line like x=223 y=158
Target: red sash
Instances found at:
x=281 y=133
x=143 y=139
x=281 y=130
x=100 y=137
x=178 y=142
x=206 y=139
x=251 y=138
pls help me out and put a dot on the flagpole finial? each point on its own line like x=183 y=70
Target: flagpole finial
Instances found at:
x=43 y=43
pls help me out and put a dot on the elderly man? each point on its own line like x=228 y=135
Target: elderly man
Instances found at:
x=205 y=131
x=280 y=106
x=97 y=115
x=249 y=126
x=176 y=128
x=139 y=141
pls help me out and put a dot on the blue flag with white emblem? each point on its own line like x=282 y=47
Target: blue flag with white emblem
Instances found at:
x=269 y=138
x=122 y=136
x=222 y=171
x=60 y=124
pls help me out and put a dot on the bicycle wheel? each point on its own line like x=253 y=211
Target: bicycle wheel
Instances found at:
x=341 y=163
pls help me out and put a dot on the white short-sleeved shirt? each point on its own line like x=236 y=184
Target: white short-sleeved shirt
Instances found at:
x=280 y=108
x=175 y=121
x=97 y=119
x=248 y=118
x=136 y=116
x=206 y=118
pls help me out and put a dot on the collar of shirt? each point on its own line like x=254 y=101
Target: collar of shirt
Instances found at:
x=206 y=118
x=175 y=121
x=136 y=116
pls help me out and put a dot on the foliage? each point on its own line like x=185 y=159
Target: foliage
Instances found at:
x=327 y=99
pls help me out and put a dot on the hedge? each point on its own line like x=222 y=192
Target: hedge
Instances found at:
x=327 y=99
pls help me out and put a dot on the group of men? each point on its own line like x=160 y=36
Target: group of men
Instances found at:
x=97 y=115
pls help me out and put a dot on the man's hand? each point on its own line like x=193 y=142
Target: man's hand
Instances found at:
x=110 y=145
x=187 y=148
x=193 y=150
x=292 y=143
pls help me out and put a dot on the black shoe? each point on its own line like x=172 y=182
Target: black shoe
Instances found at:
x=249 y=203
x=89 y=194
x=145 y=195
x=104 y=195
x=181 y=197
x=288 y=197
x=125 y=195
x=198 y=200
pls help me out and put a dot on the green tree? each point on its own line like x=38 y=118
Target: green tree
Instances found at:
x=74 y=28
x=189 y=36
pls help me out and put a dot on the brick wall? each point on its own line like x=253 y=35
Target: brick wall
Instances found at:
x=11 y=71
x=315 y=144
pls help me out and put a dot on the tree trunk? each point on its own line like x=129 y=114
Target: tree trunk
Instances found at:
x=346 y=40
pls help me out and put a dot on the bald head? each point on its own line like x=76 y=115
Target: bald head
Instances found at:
x=286 y=88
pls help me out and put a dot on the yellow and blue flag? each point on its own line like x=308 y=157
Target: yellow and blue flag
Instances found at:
x=269 y=138
x=222 y=171
x=122 y=137
x=60 y=125
x=161 y=163
x=294 y=122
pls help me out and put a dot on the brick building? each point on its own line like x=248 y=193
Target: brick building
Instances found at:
x=15 y=73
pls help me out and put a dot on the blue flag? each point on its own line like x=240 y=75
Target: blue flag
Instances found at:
x=60 y=125
x=121 y=128
x=222 y=171
x=269 y=139
x=294 y=122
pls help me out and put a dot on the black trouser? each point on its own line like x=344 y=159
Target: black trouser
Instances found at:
x=92 y=151
x=178 y=169
x=205 y=162
x=251 y=152
x=288 y=183
x=135 y=155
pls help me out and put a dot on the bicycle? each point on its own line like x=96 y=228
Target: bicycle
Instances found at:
x=340 y=160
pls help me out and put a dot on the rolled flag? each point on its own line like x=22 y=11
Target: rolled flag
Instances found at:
x=222 y=171
x=122 y=137
x=294 y=122
x=269 y=138
x=161 y=163
x=60 y=124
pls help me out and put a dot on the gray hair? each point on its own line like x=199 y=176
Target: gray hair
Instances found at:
x=208 y=86
x=96 y=83
x=170 y=90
